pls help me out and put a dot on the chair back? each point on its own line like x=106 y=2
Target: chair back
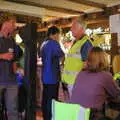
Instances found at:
x=68 y=111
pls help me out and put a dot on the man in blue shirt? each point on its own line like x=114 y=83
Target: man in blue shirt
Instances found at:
x=51 y=53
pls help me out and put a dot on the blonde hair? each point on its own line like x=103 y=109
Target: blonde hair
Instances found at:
x=97 y=60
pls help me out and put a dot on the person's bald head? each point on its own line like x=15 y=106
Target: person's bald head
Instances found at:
x=78 y=28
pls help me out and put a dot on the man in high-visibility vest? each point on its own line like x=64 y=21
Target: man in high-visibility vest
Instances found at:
x=77 y=55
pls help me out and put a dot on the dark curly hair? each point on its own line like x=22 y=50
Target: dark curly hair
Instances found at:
x=53 y=30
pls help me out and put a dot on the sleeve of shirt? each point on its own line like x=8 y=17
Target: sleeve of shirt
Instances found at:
x=85 y=49
x=57 y=51
x=111 y=87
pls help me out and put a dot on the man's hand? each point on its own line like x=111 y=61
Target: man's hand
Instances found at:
x=14 y=67
x=7 y=56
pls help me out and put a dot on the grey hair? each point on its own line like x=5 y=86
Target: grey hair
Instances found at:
x=82 y=23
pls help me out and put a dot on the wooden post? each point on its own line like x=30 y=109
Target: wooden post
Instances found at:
x=114 y=48
x=29 y=37
x=114 y=44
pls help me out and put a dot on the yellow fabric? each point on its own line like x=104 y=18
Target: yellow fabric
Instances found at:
x=73 y=64
x=69 y=79
x=98 y=39
x=116 y=76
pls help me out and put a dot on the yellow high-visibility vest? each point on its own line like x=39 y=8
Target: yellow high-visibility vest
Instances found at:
x=116 y=76
x=73 y=62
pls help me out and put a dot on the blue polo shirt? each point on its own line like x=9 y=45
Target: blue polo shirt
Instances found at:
x=51 y=53
x=85 y=50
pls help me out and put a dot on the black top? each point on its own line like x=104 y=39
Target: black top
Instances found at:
x=7 y=75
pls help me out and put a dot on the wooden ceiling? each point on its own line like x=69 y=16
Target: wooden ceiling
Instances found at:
x=69 y=6
x=56 y=11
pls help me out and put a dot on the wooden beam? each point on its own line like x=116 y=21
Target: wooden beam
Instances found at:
x=114 y=44
x=97 y=24
x=96 y=21
x=89 y=3
x=21 y=9
x=57 y=9
x=60 y=26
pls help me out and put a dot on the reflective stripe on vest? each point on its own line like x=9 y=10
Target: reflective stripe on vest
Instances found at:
x=70 y=75
x=70 y=72
x=74 y=55
x=73 y=62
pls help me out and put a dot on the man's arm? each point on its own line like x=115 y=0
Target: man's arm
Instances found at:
x=111 y=86
x=84 y=52
x=6 y=56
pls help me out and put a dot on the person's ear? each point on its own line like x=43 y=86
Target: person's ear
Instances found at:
x=74 y=21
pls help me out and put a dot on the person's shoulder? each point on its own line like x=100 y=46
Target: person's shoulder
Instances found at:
x=49 y=41
x=102 y=74
x=106 y=75
x=53 y=41
x=88 y=43
x=44 y=43
x=84 y=72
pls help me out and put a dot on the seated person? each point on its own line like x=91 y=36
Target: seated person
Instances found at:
x=95 y=84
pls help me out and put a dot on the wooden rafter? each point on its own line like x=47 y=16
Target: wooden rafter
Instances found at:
x=57 y=9
x=89 y=3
